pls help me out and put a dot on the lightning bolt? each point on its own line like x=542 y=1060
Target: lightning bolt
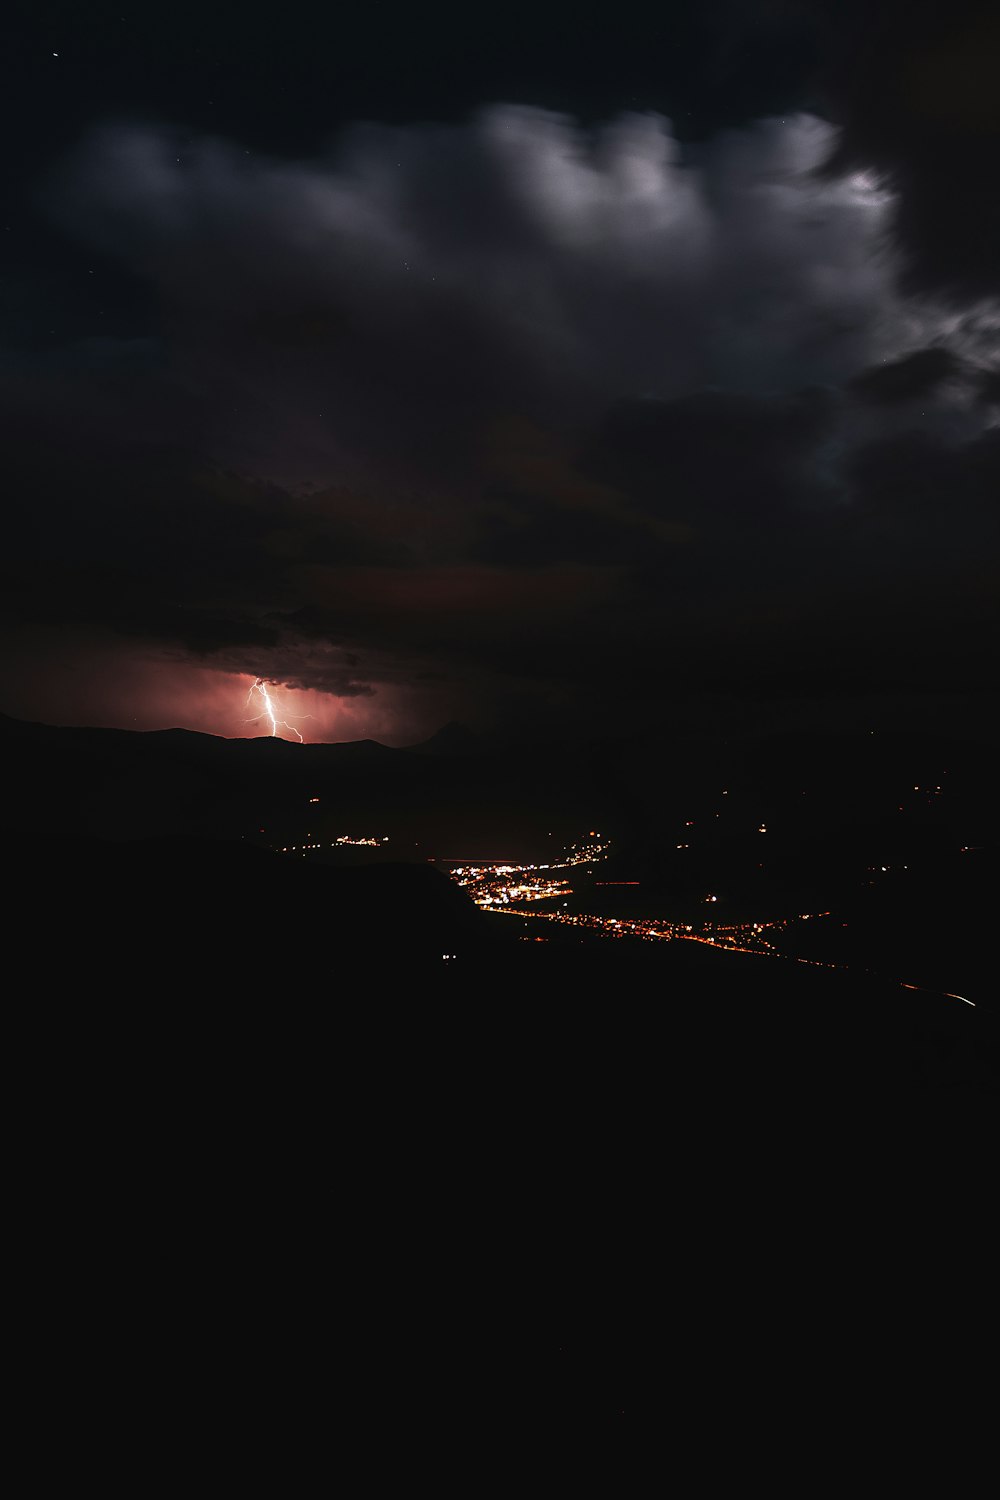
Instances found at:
x=268 y=713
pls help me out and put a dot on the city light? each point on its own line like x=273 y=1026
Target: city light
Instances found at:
x=515 y=891
x=544 y=890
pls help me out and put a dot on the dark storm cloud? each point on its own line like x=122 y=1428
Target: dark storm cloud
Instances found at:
x=372 y=308
x=535 y=534
x=109 y=524
x=912 y=87
x=916 y=375
x=716 y=456
x=989 y=386
x=919 y=483
x=512 y=406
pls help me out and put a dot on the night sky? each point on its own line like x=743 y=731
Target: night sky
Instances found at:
x=551 y=369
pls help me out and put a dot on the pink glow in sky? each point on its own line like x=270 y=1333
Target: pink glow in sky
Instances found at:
x=118 y=685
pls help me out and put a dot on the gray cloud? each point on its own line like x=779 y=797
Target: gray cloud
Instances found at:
x=505 y=407
x=368 y=308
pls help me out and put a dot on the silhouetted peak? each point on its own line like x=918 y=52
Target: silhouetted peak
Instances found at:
x=453 y=739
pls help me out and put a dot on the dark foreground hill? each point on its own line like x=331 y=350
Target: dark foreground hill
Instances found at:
x=229 y=937
x=276 y=1157
x=197 y=921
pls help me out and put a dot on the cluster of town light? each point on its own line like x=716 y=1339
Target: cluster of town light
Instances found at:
x=511 y=889
x=345 y=838
x=504 y=888
x=498 y=886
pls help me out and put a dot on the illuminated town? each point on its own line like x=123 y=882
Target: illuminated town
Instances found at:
x=345 y=840
x=495 y=887
x=549 y=893
x=509 y=889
